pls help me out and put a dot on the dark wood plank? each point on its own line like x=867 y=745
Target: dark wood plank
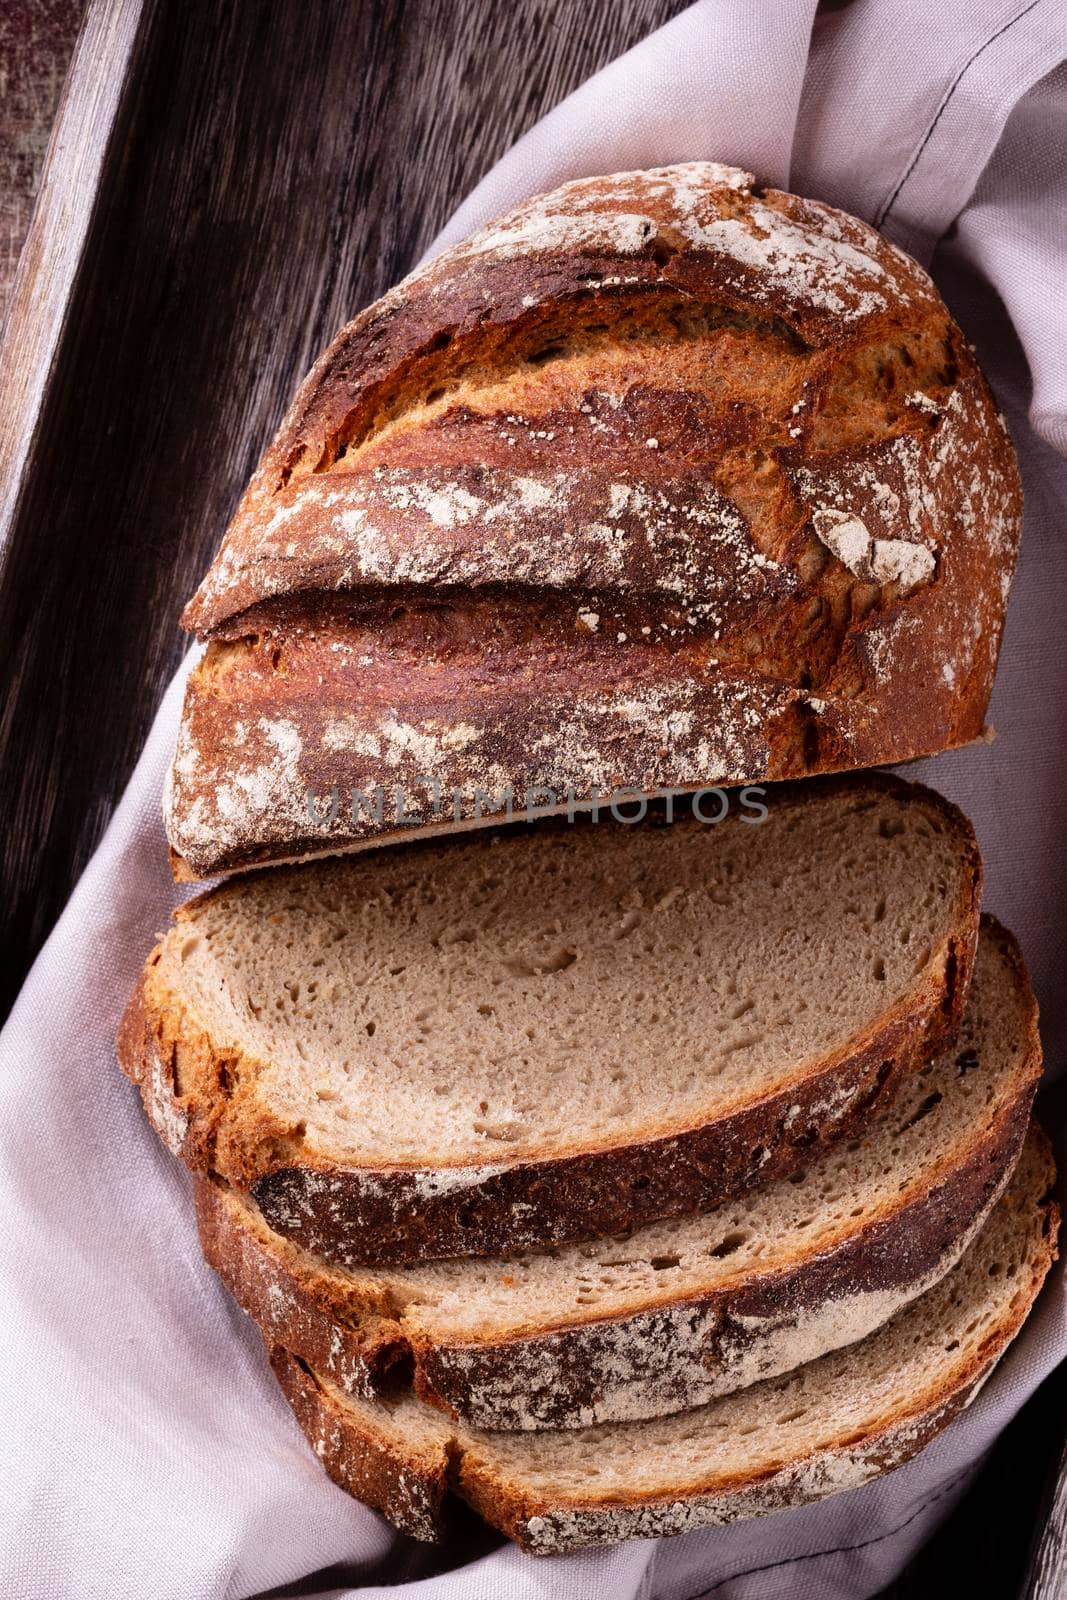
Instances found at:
x=45 y=286
x=36 y=41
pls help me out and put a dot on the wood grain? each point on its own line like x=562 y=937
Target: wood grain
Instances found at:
x=36 y=41
x=44 y=287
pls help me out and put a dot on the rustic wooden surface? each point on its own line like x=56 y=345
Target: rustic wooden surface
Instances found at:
x=36 y=40
x=258 y=182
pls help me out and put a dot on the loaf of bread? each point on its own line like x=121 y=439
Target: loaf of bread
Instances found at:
x=661 y=481
x=473 y=1048
x=615 y=1179
x=676 y=1313
x=830 y=1425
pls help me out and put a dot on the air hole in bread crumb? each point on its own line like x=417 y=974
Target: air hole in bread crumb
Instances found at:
x=506 y=1132
x=550 y=352
x=924 y=1110
x=558 y=961
x=748 y=1041
x=729 y=1243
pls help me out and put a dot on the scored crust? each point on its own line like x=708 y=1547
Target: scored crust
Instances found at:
x=379 y=1214
x=662 y=481
x=353 y=1439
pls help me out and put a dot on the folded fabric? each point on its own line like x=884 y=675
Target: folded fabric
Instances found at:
x=146 y=1448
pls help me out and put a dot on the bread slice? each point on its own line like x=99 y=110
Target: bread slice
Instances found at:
x=825 y=1427
x=458 y=1049
x=678 y=1312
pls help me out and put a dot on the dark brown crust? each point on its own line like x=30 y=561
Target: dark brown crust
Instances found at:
x=460 y=296
x=408 y=1487
x=360 y=1356
x=353 y=1217
x=395 y=1215
x=543 y=1527
x=892 y=1255
x=465 y=635
x=560 y=1371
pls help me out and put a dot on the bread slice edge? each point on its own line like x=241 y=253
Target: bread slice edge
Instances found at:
x=443 y=1458
x=374 y=1214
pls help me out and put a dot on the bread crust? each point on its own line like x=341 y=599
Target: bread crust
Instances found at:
x=407 y=1484
x=659 y=1358
x=575 y=1521
x=378 y=1215
x=558 y=593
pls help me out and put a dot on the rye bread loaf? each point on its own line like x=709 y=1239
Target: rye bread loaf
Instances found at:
x=460 y=1049
x=662 y=480
x=828 y=1426
x=676 y=1313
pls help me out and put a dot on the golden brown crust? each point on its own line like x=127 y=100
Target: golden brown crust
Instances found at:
x=661 y=482
x=203 y=1100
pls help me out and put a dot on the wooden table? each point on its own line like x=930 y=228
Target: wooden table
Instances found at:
x=228 y=183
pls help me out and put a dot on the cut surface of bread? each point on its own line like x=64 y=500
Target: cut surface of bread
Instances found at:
x=677 y=1312
x=663 y=479
x=828 y=1426
x=464 y=1049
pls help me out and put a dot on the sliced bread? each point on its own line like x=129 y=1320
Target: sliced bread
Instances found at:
x=681 y=1311
x=455 y=1049
x=825 y=1427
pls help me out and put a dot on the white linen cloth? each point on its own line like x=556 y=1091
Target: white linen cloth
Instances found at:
x=145 y=1449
